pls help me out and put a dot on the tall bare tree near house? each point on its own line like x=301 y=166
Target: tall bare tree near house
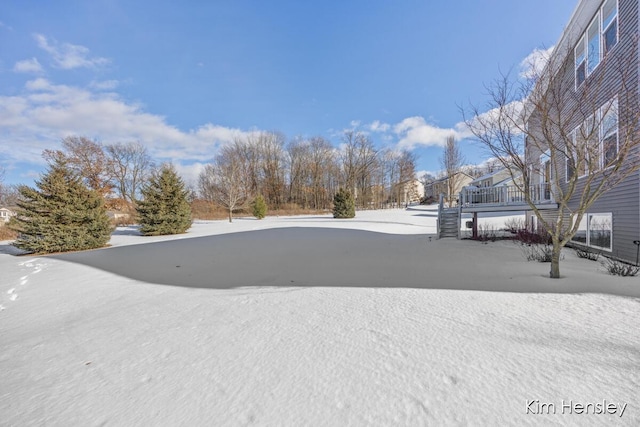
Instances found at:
x=574 y=139
x=86 y=157
x=225 y=180
x=129 y=165
x=451 y=162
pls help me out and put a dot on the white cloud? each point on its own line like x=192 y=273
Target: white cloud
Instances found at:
x=377 y=126
x=45 y=113
x=421 y=173
x=190 y=172
x=69 y=56
x=415 y=131
x=534 y=63
x=505 y=115
x=38 y=84
x=105 y=85
x=28 y=66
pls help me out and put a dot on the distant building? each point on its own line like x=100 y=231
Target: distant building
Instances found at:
x=491 y=179
x=5 y=215
x=410 y=192
x=441 y=186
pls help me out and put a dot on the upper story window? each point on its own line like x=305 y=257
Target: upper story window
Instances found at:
x=609 y=25
x=581 y=63
x=595 y=142
x=609 y=133
x=601 y=35
x=593 y=45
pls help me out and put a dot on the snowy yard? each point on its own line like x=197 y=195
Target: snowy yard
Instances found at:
x=314 y=321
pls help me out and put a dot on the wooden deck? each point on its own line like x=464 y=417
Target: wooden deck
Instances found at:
x=505 y=198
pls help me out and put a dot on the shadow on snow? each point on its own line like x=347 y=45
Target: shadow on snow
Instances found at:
x=329 y=257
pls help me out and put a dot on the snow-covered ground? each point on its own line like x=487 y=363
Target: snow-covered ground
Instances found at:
x=314 y=321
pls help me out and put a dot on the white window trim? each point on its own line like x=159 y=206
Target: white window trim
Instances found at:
x=603 y=30
x=581 y=41
x=585 y=170
x=599 y=119
x=587 y=218
x=596 y=121
x=597 y=18
x=585 y=43
x=589 y=215
x=602 y=135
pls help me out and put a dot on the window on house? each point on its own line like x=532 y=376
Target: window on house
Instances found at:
x=609 y=129
x=595 y=230
x=599 y=38
x=609 y=25
x=580 y=151
x=592 y=144
x=570 y=158
x=593 y=46
x=570 y=167
x=581 y=234
x=600 y=230
x=581 y=67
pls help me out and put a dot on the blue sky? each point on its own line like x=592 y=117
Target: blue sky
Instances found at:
x=184 y=77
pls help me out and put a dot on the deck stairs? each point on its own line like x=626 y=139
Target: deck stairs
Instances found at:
x=449 y=223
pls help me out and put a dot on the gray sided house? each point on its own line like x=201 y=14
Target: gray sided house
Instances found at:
x=600 y=66
x=582 y=121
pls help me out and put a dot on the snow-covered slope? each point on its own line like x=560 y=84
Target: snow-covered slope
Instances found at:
x=373 y=325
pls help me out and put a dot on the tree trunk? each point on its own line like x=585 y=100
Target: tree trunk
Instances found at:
x=230 y=213
x=555 y=261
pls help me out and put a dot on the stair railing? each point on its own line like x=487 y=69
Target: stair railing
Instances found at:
x=440 y=205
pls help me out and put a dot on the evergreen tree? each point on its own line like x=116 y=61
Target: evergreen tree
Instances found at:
x=61 y=215
x=165 y=208
x=343 y=205
x=259 y=207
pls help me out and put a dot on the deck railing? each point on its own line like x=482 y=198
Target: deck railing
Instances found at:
x=504 y=195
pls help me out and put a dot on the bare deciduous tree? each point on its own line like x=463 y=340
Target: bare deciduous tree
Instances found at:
x=129 y=167
x=451 y=162
x=88 y=159
x=573 y=143
x=271 y=149
x=225 y=180
x=359 y=158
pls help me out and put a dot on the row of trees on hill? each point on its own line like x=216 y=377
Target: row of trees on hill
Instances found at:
x=306 y=172
x=68 y=208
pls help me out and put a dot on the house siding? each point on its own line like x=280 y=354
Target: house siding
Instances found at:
x=623 y=200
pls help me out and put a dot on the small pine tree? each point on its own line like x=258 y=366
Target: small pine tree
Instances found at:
x=165 y=208
x=259 y=207
x=343 y=205
x=61 y=215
